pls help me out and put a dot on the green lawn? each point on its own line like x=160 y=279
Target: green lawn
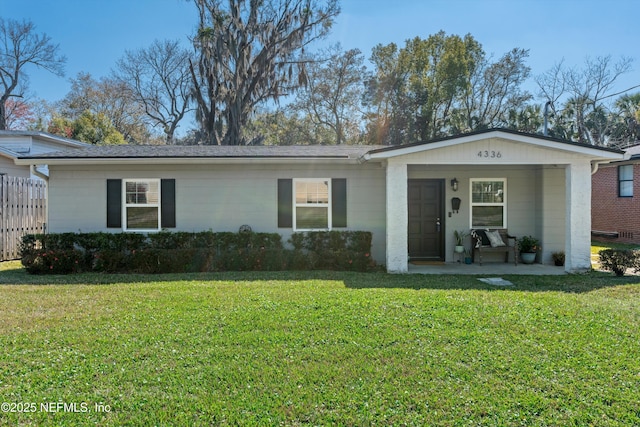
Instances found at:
x=319 y=348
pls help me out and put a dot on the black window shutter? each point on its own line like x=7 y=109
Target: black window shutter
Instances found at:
x=285 y=203
x=114 y=203
x=168 y=203
x=339 y=202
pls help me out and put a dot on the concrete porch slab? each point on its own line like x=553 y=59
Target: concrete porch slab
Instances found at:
x=488 y=268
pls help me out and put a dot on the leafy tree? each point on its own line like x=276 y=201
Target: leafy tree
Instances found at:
x=89 y=127
x=20 y=47
x=286 y=127
x=250 y=52
x=110 y=98
x=61 y=126
x=332 y=97
x=96 y=129
x=526 y=119
x=416 y=88
x=158 y=79
x=18 y=114
x=626 y=127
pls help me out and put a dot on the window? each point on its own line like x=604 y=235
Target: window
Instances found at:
x=141 y=204
x=312 y=204
x=332 y=193
x=625 y=181
x=488 y=203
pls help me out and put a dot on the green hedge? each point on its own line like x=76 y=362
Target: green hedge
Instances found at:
x=168 y=252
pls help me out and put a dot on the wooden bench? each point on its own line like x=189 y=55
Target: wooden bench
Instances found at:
x=482 y=244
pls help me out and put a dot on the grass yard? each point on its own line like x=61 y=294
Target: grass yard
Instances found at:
x=318 y=348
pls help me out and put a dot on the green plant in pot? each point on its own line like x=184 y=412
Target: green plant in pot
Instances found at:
x=467 y=256
x=558 y=258
x=459 y=236
x=529 y=247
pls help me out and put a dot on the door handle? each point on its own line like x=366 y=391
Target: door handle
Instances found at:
x=437 y=224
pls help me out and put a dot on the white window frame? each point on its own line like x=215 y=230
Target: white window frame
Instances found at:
x=620 y=181
x=296 y=205
x=503 y=204
x=126 y=206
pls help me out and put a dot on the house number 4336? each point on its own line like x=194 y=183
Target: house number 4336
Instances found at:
x=489 y=154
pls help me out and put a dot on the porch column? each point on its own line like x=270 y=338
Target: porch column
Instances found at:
x=578 y=217
x=397 y=218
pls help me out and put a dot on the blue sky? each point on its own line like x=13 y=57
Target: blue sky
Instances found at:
x=94 y=34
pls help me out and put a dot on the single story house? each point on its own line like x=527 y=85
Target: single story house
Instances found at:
x=615 y=206
x=411 y=197
x=14 y=144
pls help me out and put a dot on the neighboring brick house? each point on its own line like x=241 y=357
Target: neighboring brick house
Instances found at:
x=615 y=200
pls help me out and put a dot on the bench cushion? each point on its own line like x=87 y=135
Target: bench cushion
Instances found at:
x=494 y=238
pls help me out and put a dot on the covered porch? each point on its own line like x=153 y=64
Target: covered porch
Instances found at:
x=529 y=184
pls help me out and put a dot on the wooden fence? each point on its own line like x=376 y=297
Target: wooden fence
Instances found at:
x=23 y=209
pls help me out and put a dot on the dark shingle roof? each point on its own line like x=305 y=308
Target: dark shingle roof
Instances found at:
x=209 y=151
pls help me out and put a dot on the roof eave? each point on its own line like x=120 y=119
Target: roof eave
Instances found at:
x=51 y=161
x=598 y=153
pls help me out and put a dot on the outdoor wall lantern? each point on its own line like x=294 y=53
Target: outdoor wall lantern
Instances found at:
x=455 y=204
x=454 y=184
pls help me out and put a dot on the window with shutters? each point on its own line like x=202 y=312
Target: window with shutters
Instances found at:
x=141 y=201
x=312 y=204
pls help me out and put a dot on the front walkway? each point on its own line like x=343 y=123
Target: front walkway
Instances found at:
x=488 y=268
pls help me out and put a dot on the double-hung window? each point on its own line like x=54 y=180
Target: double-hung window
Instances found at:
x=489 y=203
x=625 y=181
x=142 y=204
x=312 y=201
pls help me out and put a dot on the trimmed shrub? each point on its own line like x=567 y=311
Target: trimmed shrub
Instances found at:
x=169 y=252
x=618 y=260
x=58 y=261
x=334 y=250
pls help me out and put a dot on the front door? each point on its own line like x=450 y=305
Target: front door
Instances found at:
x=426 y=219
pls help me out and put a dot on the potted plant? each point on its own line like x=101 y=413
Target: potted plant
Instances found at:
x=467 y=256
x=558 y=258
x=459 y=236
x=528 y=246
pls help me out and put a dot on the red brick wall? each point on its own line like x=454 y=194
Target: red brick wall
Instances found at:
x=610 y=213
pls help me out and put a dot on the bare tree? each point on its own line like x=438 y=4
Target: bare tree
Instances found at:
x=251 y=51
x=20 y=46
x=494 y=96
x=158 y=78
x=584 y=116
x=334 y=91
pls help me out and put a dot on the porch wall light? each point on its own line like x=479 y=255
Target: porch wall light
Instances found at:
x=454 y=184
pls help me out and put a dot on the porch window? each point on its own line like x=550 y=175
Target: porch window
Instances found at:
x=488 y=203
x=142 y=204
x=312 y=201
x=625 y=181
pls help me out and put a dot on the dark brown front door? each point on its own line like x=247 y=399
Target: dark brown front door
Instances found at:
x=426 y=219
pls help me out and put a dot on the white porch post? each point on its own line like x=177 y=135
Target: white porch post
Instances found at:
x=578 y=217
x=397 y=218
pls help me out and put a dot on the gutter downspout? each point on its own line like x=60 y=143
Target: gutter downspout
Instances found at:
x=596 y=165
x=34 y=171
